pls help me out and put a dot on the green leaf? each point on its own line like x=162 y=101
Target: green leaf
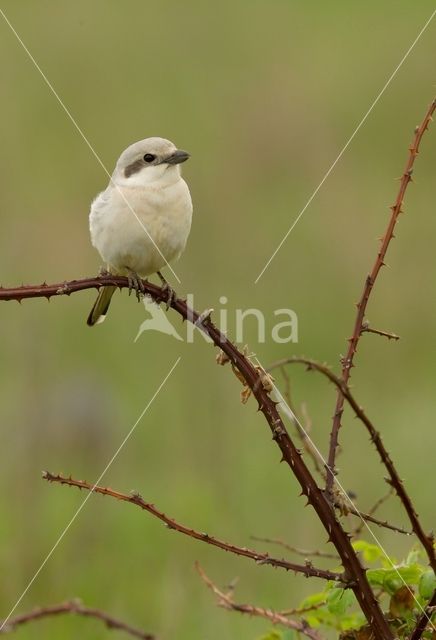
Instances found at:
x=352 y=621
x=427 y=584
x=313 y=600
x=411 y=574
x=392 y=579
x=339 y=600
x=320 y=617
x=370 y=552
x=414 y=555
x=376 y=577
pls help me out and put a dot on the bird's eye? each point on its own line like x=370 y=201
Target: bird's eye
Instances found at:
x=149 y=157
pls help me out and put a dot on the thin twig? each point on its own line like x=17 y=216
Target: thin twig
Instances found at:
x=395 y=481
x=260 y=558
x=373 y=509
x=378 y=332
x=302 y=433
x=299 y=611
x=367 y=517
x=225 y=600
x=298 y=551
x=348 y=360
x=77 y=608
x=254 y=380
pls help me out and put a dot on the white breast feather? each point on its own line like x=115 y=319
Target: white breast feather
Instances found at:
x=141 y=228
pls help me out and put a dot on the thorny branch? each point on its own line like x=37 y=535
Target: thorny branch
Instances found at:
x=260 y=558
x=427 y=540
x=254 y=381
x=320 y=500
x=366 y=328
x=302 y=432
x=225 y=600
x=300 y=552
x=77 y=608
x=345 y=508
x=373 y=509
x=348 y=360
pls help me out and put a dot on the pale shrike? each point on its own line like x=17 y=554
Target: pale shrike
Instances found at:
x=141 y=222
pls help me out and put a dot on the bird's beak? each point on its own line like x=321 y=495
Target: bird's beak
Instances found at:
x=177 y=157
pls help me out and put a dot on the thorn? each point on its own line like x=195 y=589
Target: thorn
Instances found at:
x=203 y=316
x=135 y=495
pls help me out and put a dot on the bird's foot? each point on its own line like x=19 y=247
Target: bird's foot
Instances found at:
x=135 y=284
x=103 y=272
x=168 y=290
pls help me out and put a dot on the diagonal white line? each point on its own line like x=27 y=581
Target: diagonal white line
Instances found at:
x=103 y=473
x=85 y=139
x=347 y=144
x=291 y=415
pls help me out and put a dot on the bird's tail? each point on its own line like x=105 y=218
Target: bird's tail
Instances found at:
x=101 y=305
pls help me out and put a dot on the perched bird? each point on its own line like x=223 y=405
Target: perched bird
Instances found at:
x=141 y=222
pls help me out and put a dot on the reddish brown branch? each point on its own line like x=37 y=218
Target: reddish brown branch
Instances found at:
x=260 y=558
x=348 y=360
x=373 y=509
x=225 y=600
x=395 y=481
x=290 y=454
x=77 y=608
x=386 y=334
x=346 y=508
x=300 y=552
x=320 y=500
x=302 y=432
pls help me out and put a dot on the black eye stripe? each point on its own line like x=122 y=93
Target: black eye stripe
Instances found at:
x=149 y=157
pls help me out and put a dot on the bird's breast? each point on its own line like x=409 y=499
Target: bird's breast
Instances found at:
x=141 y=228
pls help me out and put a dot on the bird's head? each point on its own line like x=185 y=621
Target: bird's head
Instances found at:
x=148 y=161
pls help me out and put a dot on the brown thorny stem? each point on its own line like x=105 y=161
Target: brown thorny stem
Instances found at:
x=354 y=572
x=134 y=498
x=316 y=497
x=348 y=360
x=275 y=617
x=77 y=608
x=427 y=540
x=394 y=480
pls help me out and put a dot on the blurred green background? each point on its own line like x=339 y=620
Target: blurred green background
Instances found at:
x=264 y=95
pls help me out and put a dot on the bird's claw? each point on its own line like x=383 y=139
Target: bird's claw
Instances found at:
x=135 y=284
x=168 y=290
x=171 y=295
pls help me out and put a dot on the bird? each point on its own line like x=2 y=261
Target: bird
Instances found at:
x=141 y=221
